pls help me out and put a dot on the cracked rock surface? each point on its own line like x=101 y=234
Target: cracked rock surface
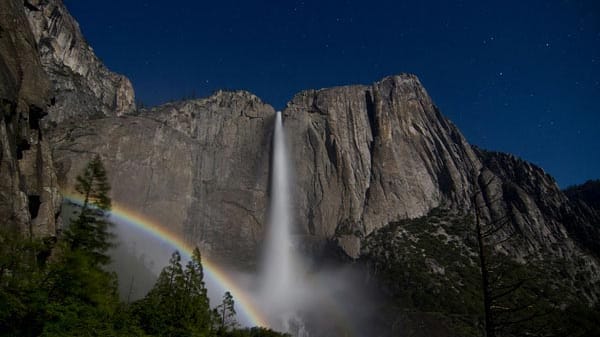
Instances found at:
x=199 y=168
x=29 y=196
x=368 y=155
x=362 y=155
x=82 y=87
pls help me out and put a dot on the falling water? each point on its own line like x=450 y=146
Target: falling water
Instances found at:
x=279 y=265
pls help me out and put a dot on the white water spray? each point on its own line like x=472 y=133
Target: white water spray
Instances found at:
x=279 y=275
x=290 y=296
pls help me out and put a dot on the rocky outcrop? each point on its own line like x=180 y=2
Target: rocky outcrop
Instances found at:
x=363 y=156
x=538 y=219
x=368 y=155
x=199 y=168
x=587 y=193
x=29 y=198
x=48 y=75
x=581 y=215
x=82 y=87
x=526 y=197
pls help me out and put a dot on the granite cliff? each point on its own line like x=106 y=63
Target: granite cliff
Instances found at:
x=582 y=215
x=29 y=196
x=367 y=155
x=364 y=155
x=82 y=87
x=48 y=75
x=200 y=167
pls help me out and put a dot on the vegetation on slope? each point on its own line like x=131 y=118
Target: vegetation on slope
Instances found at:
x=431 y=271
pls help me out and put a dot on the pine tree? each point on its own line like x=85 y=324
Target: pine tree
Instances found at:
x=159 y=311
x=195 y=299
x=226 y=313
x=177 y=305
x=82 y=296
x=90 y=232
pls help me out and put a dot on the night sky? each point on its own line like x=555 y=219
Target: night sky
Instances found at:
x=515 y=76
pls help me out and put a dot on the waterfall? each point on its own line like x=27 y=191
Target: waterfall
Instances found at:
x=279 y=272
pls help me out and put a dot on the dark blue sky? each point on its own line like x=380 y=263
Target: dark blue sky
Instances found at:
x=515 y=76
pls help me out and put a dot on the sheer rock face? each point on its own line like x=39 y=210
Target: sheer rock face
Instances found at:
x=530 y=200
x=524 y=195
x=29 y=198
x=368 y=155
x=363 y=156
x=82 y=87
x=536 y=220
x=582 y=215
x=199 y=168
x=329 y=140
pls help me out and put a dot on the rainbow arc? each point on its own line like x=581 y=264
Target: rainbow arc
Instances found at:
x=244 y=304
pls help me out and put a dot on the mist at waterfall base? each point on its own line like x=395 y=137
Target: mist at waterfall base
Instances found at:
x=295 y=292
x=300 y=296
x=328 y=300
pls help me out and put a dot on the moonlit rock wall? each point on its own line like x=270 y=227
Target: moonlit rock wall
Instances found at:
x=367 y=155
x=363 y=155
x=29 y=196
x=200 y=168
x=82 y=86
